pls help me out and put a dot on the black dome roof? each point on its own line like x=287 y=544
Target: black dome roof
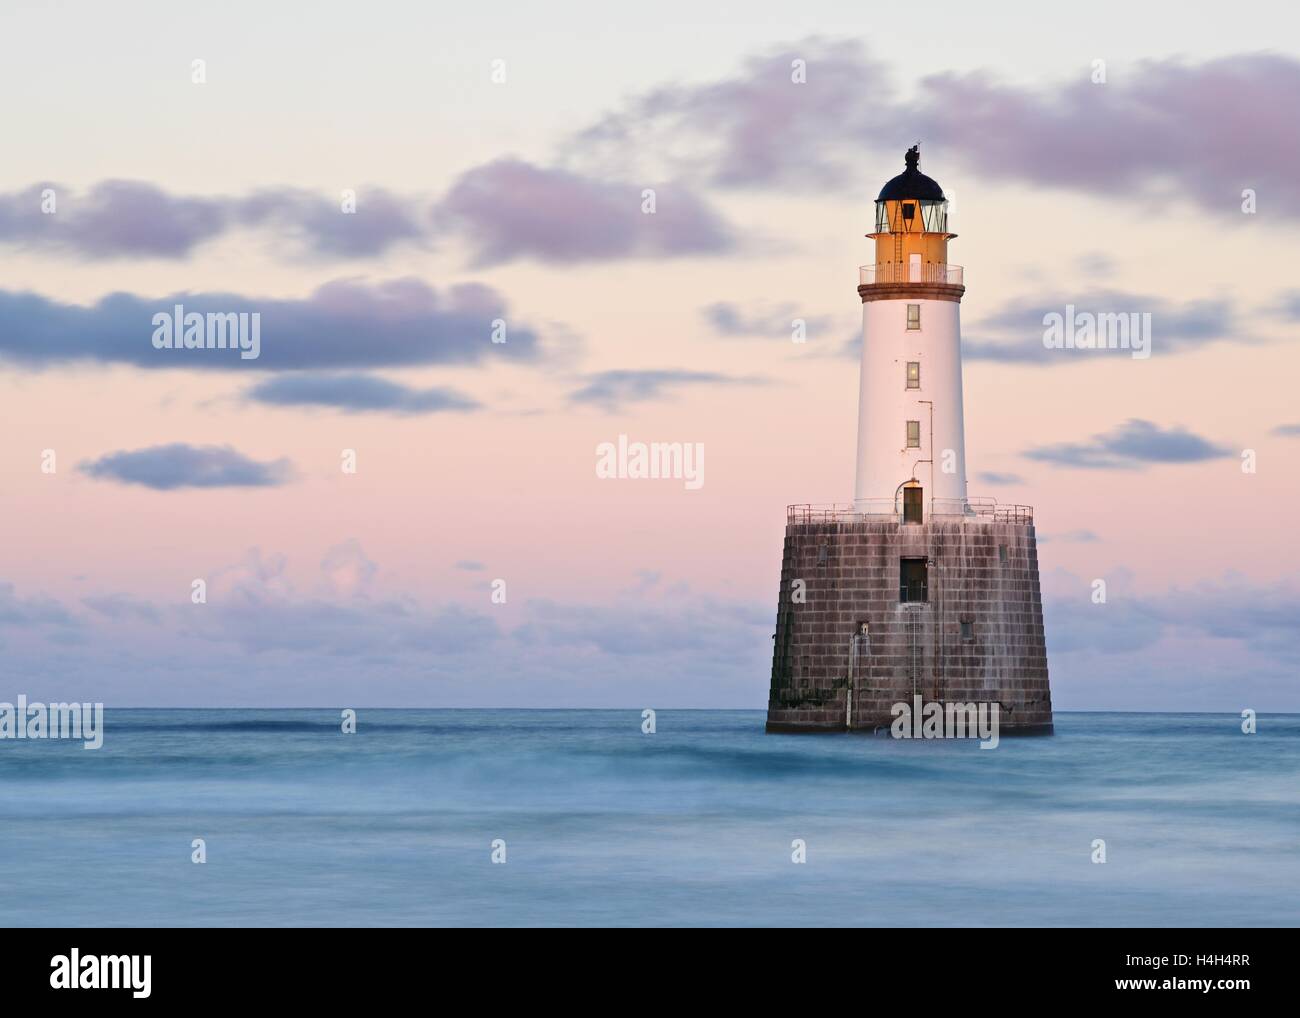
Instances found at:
x=912 y=183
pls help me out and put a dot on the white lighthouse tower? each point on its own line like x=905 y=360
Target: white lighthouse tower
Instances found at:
x=911 y=436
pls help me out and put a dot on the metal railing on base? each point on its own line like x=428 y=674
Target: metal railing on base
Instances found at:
x=884 y=508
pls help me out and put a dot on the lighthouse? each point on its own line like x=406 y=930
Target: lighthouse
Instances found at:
x=911 y=439
x=914 y=589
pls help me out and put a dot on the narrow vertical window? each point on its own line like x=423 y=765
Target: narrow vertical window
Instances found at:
x=914 y=434
x=914 y=374
x=913 y=316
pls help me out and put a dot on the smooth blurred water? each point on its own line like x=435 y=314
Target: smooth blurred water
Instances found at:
x=605 y=825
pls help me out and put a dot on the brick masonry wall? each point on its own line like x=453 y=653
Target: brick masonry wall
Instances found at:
x=851 y=575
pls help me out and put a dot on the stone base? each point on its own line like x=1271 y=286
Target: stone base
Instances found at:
x=978 y=571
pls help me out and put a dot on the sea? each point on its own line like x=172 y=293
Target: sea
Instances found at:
x=582 y=818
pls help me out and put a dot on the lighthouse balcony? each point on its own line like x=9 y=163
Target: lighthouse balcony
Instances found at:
x=985 y=509
x=892 y=273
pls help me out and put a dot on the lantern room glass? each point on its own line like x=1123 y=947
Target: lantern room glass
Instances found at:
x=933 y=216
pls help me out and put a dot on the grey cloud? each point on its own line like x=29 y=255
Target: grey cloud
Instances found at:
x=1133 y=445
x=756 y=128
x=504 y=210
x=380 y=220
x=1259 y=616
x=1175 y=328
x=136 y=219
x=636 y=627
x=169 y=467
x=119 y=607
x=510 y=209
x=343 y=324
x=1288 y=306
x=1154 y=121
x=1228 y=643
x=23 y=612
x=1286 y=430
x=356 y=394
x=114 y=218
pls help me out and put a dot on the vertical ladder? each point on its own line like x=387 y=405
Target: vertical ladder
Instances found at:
x=859 y=648
x=913 y=627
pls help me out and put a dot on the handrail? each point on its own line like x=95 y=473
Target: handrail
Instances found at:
x=809 y=513
x=905 y=272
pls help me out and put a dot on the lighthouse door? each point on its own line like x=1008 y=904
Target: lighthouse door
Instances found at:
x=912 y=505
x=914 y=269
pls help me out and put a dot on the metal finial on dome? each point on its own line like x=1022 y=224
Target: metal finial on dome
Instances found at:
x=912 y=183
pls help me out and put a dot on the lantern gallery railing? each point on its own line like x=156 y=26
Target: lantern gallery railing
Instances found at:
x=852 y=512
x=910 y=272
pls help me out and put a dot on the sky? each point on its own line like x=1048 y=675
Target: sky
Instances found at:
x=1117 y=159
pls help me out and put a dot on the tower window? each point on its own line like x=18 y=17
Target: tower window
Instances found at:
x=913 y=316
x=914 y=374
x=914 y=434
x=1002 y=552
x=967 y=630
x=912 y=580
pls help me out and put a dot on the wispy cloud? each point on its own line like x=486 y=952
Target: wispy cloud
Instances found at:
x=1153 y=123
x=1175 y=328
x=36 y=610
x=356 y=394
x=764 y=321
x=759 y=128
x=613 y=390
x=510 y=209
x=1070 y=537
x=999 y=478
x=319 y=227
x=168 y=467
x=1133 y=445
x=139 y=219
x=118 y=607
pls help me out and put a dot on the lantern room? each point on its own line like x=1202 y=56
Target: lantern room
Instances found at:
x=911 y=218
